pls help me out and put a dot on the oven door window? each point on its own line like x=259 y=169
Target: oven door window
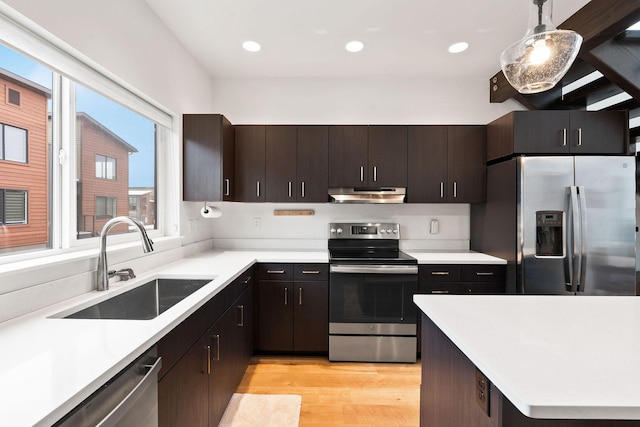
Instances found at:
x=372 y=298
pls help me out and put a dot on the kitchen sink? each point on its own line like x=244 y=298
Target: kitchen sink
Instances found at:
x=143 y=302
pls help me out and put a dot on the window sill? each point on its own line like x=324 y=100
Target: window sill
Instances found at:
x=35 y=270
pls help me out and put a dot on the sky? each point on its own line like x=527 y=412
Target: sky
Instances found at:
x=136 y=130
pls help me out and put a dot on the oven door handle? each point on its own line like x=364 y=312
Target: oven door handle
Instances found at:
x=374 y=269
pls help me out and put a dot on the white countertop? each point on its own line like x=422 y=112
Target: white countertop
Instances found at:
x=49 y=365
x=453 y=257
x=551 y=356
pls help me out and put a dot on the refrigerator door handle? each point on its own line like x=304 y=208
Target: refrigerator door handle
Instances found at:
x=582 y=254
x=574 y=244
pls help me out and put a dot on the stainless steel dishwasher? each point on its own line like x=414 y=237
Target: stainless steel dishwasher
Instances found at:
x=129 y=399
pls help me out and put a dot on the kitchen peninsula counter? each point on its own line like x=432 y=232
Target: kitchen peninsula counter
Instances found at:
x=545 y=358
x=49 y=364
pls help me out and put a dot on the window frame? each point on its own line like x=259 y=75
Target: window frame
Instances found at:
x=69 y=67
x=3 y=142
x=105 y=170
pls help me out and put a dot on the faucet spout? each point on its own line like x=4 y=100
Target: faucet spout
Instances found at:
x=103 y=270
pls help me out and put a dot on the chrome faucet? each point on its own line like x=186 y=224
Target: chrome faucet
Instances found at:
x=103 y=272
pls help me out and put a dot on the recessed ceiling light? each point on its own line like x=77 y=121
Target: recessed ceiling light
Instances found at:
x=458 y=47
x=251 y=46
x=354 y=46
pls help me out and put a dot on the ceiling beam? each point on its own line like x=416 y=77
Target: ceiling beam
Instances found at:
x=597 y=22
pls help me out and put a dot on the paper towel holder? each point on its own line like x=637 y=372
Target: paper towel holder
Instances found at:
x=210 y=211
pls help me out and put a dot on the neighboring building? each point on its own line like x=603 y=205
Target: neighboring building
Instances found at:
x=103 y=175
x=24 y=163
x=142 y=204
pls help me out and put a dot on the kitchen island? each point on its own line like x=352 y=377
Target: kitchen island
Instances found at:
x=515 y=360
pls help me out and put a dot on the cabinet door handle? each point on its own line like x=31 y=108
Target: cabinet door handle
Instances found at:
x=310 y=271
x=286 y=296
x=289 y=188
x=564 y=137
x=455 y=189
x=300 y=296
x=441 y=189
x=216 y=340
x=302 y=192
x=208 y=349
x=241 y=315
x=579 y=137
x=481 y=273
x=375 y=174
x=361 y=173
x=439 y=292
x=439 y=273
x=257 y=188
x=275 y=271
x=247 y=280
x=227 y=185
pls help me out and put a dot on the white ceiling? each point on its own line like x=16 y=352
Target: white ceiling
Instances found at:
x=306 y=38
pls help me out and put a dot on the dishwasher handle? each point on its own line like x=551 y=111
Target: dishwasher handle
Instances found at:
x=149 y=379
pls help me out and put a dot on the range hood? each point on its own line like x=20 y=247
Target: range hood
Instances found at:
x=367 y=195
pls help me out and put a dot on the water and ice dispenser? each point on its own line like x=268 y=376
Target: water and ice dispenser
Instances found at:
x=549 y=234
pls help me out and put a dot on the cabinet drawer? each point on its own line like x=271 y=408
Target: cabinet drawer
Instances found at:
x=439 y=273
x=483 y=273
x=483 y=288
x=439 y=288
x=311 y=272
x=275 y=271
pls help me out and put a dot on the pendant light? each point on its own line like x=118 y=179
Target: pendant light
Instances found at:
x=543 y=56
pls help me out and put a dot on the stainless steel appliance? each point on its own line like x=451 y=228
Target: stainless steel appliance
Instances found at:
x=372 y=317
x=566 y=224
x=129 y=399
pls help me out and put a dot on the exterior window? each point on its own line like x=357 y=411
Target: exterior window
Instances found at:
x=105 y=167
x=105 y=207
x=13 y=207
x=14 y=142
x=13 y=97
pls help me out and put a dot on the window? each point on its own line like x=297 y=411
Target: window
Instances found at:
x=105 y=134
x=13 y=97
x=105 y=167
x=13 y=207
x=14 y=144
x=106 y=207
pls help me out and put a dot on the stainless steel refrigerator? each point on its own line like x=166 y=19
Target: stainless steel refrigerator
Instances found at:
x=565 y=224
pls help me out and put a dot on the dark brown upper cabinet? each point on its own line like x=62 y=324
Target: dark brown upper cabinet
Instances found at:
x=367 y=156
x=558 y=132
x=296 y=163
x=250 y=147
x=208 y=158
x=446 y=164
x=313 y=164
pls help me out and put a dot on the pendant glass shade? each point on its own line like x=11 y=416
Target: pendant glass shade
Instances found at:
x=539 y=60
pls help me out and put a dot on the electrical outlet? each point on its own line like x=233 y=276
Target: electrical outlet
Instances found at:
x=256 y=223
x=434 y=226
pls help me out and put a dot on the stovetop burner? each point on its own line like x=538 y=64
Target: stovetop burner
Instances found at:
x=367 y=243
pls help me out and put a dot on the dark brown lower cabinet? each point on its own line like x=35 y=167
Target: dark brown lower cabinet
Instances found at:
x=449 y=386
x=196 y=388
x=292 y=308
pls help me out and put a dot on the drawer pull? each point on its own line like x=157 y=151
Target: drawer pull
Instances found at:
x=439 y=292
x=310 y=272
x=275 y=271
x=439 y=273
x=480 y=273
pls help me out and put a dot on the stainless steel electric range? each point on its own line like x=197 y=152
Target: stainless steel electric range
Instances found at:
x=372 y=317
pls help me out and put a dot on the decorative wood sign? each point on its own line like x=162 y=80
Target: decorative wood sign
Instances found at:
x=293 y=212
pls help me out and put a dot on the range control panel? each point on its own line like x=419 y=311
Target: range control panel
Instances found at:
x=364 y=230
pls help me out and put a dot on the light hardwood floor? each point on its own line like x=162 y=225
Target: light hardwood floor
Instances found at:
x=340 y=393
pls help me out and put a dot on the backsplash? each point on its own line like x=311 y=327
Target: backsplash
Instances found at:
x=254 y=225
